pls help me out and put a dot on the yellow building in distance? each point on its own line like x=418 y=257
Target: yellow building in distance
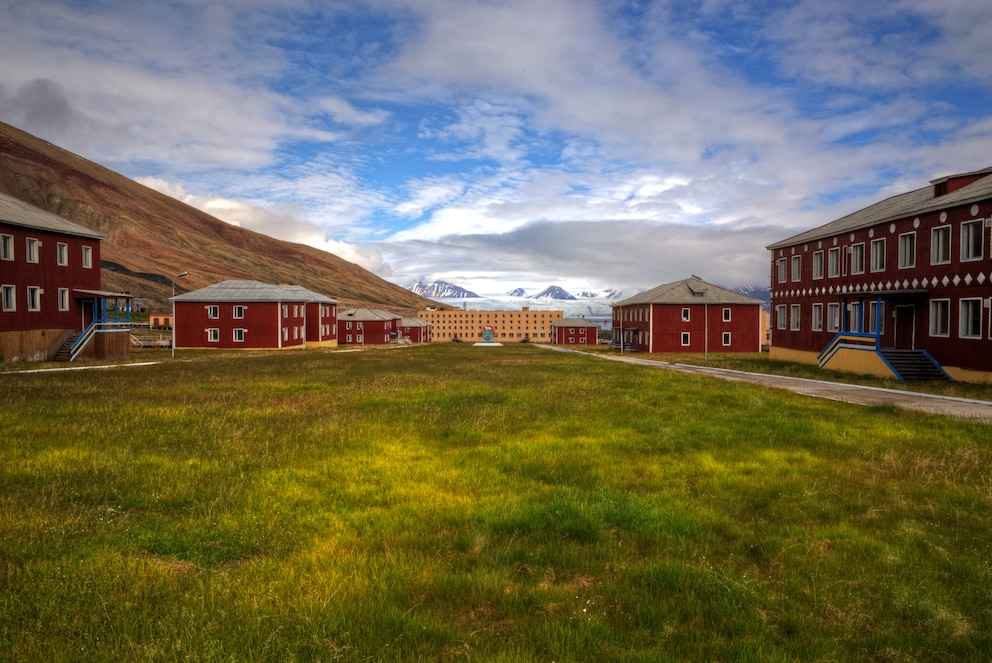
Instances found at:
x=506 y=326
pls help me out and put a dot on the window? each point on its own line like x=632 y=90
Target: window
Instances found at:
x=782 y=266
x=858 y=258
x=971 y=240
x=833 y=263
x=940 y=245
x=797 y=267
x=876 y=318
x=213 y=312
x=63 y=299
x=818 y=265
x=62 y=253
x=88 y=257
x=685 y=338
x=32 y=249
x=285 y=310
x=780 y=316
x=239 y=335
x=726 y=315
x=833 y=317
x=347 y=338
x=34 y=298
x=685 y=315
x=907 y=250
x=239 y=312
x=9 y=298
x=878 y=255
x=213 y=335
x=347 y=325
x=285 y=333
x=726 y=338
x=794 y=317
x=6 y=247
x=940 y=317
x=971 y=318
x=816 y=319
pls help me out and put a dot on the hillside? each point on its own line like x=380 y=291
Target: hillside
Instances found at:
x=152 y=237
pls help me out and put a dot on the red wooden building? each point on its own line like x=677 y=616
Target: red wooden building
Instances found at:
x=688 y=316
x=365 y=326
x=900 y=288
x=253 y=315
x=574 y=331
x=415 y=330
x=52 y=304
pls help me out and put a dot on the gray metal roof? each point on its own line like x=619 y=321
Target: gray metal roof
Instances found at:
x=251 y=291
x=920 y=201
x=19 y=213
x=366 y=314
x=413 y=322
x=573 y=322
x=692 y=290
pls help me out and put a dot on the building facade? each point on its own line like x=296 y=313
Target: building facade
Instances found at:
x=246 y=315
x=50 y=284
x=365 y=326
x=574 y=331
x=688 y=316
x=415 y=330
x=908 y=276
x=524 y=325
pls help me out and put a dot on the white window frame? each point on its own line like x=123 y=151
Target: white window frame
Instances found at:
x=878 y=255
x=966 y=309
x=818 y=265
x=794 y=317
x=726 y=315
x=213 y=335
x=62 y=254
x=780 y=316
x=87 y=257
x=63 y=299
x=8 y=293
x=34 y=297
x=940 y=249
x=239 y=334
x=972 y=240
x=783 y=270
x=686 y=313
x=686 y=338
x=797 y=268
x=858 y=258
x=816 y=317
x=833 y=317
x=32 y=248
x=833 y=262
x=213 y=312
x=907 y=259
x=726 y=339
x=872 y=305
x=239 y=311
x=6 y=247
x=936 y=328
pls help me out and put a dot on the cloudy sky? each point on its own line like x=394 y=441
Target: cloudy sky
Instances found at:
x=505 y=143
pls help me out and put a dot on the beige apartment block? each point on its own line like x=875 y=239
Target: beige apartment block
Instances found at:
x=506 y=326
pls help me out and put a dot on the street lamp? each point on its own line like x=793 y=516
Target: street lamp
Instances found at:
x=173 y=300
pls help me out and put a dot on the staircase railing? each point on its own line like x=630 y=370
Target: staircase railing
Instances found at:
x=849 y=340
x=94 y=328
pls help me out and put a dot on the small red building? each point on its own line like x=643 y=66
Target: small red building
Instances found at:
x=365 y=326
x=253 y=315
x=574 y=331
x=415 y=330
x=688 y=316
x=52 y=305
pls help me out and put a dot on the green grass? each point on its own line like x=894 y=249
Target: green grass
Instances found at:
x=450 y=503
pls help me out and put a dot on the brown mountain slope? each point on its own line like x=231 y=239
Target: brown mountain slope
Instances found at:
x=151 y=237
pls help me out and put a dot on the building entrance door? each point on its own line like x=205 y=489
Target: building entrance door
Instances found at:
x=905 y=328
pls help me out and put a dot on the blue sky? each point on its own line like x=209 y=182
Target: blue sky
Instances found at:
x=514 y=143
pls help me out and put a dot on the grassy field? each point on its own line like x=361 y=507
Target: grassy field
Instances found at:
x=450 y=502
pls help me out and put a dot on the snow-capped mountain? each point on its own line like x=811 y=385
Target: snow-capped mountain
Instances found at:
x=763 y=293
x=440 y=290
x=517 y=292
x=553 y=292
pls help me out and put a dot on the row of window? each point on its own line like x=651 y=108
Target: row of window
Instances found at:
x=33 y=298
x=969 y=317
x=32 y=250
x=640 y=315
x=971 y=245
x=213 y=334
x=238 y=311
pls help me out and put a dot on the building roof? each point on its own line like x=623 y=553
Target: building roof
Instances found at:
x=573 y=322
x=19 y=213
x=413 y=322
x=251 y=291
x=366 y=314
x=920 y=201
x=692 y=290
